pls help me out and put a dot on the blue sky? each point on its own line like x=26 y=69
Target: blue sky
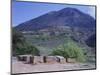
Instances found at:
x=24 y=11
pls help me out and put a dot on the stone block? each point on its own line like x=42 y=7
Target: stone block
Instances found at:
x=71 y=60
x=25 y=58
x=51 y=59
x=38 y=59
x=61 y=59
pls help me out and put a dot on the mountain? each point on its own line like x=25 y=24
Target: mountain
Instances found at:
x=55 y=28
x=65 y=17
x=79 y=26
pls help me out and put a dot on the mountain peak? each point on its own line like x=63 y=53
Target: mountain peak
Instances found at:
x=64 y=17
x=70 y=11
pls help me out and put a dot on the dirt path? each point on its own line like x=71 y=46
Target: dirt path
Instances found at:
x=20 y=67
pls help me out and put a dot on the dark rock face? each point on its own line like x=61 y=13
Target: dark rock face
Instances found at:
x=91 y=41
x=65 y=17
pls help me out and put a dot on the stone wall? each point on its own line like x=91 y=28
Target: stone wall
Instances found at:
x=43 y=59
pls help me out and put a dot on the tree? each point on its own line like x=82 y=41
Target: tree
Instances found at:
x=32 y=50
x=20 y=46
x=17 y=41
x=70 y=50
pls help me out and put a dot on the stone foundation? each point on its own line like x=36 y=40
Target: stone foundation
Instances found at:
x=42 y=59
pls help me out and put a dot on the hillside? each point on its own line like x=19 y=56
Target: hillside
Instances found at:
x=54 y=28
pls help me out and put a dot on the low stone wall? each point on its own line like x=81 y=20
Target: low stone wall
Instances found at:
x=44 y=59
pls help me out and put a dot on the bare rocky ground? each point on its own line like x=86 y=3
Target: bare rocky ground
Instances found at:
x=21 y=67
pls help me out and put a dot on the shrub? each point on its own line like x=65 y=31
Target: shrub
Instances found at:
x=20 y=46
x=70 y=50
x=32 y=50
x=20 y=50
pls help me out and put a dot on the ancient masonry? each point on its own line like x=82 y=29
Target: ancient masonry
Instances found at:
x=43 y=59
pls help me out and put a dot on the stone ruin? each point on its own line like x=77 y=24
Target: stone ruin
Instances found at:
x=43 y=59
